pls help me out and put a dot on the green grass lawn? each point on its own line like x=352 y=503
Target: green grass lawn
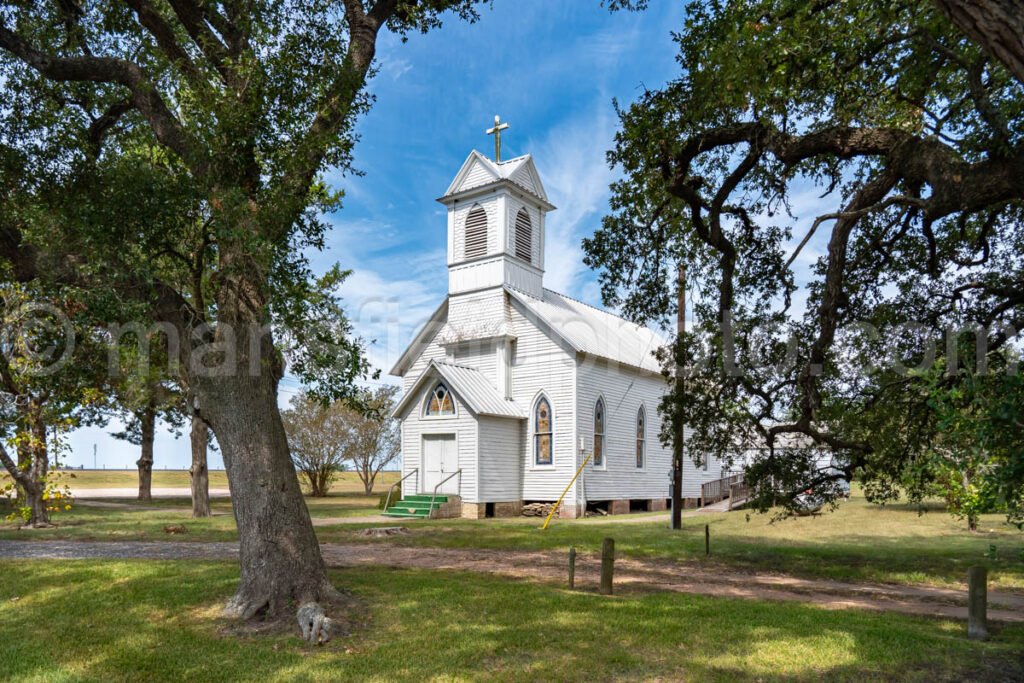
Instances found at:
x=858 y=542
x=333 y=505
x=158 y=621
x=346 y=482
x=137 y=521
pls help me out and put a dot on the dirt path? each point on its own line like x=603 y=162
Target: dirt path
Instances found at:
x=631 y=575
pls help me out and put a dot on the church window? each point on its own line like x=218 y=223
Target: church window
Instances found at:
x=542 y=433
x=599 y=433
x=440 y=401
x=476 y=233
x=524 y=235
x=641 y=420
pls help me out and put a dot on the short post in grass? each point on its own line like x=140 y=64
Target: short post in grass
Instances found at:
x=707 y=539
x=607 y=565
x=572 y=567
x=977 y=603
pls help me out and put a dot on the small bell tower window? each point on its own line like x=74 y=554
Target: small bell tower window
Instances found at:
x=476 y=233
x=524 y=235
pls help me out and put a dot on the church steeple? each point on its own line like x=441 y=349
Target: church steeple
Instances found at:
x=496 y=217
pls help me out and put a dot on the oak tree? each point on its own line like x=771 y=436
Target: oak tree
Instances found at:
x=913 y=132
x=251 y=103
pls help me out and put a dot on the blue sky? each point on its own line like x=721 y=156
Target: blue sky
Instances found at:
x=551 y=69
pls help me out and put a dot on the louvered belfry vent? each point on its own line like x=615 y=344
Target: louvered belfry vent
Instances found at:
x=524 y=236
x=476 y=233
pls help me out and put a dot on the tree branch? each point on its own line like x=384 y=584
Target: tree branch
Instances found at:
x=194 y=20
x=336 y=104
x=147 y=100
x=995 y=25
x=153 y=22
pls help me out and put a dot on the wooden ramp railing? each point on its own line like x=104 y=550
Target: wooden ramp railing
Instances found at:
x=720 y=489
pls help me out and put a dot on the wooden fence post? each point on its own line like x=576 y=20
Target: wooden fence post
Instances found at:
x=572 y=567
x=707 y=539
x=977 y=603
x=607 y=565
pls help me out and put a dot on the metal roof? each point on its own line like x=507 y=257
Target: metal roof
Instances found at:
x=510 y=171
x=470 y=385
x=593 y=331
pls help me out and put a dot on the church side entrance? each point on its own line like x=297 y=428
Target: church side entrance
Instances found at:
x=440 y=460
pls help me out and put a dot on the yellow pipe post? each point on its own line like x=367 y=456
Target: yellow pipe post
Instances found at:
x=559 y=501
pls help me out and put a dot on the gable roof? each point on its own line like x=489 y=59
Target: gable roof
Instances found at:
x=595 y=332
x=469 y=384
x=479 y=172
x=422 y=339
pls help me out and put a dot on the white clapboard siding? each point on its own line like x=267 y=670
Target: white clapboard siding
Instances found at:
x=500 y=464
x=477 y=310
x=694 y=477
x=462 y=425
x=432 y=351
x=478 y=175
x=480 y=355
x=623 y=389
x=541 y=363
x=522 y=177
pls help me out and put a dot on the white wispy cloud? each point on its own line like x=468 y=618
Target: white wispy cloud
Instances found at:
x=571 y=161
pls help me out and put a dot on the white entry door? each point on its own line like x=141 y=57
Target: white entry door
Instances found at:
x=440 y=460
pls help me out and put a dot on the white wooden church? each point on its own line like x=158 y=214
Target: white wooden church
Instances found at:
x=509 y=386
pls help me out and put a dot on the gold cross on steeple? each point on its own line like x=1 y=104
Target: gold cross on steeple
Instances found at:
x=496 y=132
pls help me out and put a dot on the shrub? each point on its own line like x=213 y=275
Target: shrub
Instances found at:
x=396 y=496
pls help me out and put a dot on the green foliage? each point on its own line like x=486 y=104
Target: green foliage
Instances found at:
x=327 y=439
x=798 y=344
x=395 y=496
x=173 y=166
x=973 y=453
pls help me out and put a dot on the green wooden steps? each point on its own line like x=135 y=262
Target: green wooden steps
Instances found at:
x=417 y=506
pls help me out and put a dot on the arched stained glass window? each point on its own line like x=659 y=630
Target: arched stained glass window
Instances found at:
x=641 y=440
x=599 y=433
x=542 y=433
x=476 y=233
x=524 y=235
x=440 y=401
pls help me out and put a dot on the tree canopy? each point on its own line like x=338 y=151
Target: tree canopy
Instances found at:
x=809 y=342
x=183 y=143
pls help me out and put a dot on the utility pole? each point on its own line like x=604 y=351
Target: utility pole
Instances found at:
x=94 y=456
x=679 y=442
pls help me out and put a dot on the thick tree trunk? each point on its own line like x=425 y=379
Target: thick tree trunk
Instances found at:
x=147 y=422
x=996 y=25
x=39 y=515
x=199 y=476
x=281 y=565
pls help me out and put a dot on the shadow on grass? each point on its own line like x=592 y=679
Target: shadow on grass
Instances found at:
x=158 y=621
x=899 y=549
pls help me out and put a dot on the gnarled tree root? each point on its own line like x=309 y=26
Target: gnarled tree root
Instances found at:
x=314 y=624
